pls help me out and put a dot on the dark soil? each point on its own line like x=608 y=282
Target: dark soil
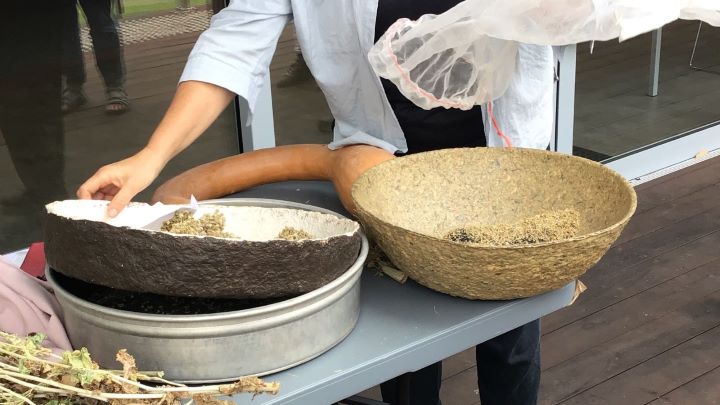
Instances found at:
x=152 y=303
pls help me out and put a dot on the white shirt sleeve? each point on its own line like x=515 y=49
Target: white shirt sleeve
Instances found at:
x=525 y=112
x=236 y=50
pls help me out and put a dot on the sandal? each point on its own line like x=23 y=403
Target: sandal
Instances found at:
x=72 y=99
x=117 y=101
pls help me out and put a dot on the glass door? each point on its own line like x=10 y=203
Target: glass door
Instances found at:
x=644 y=94
x=86 y=83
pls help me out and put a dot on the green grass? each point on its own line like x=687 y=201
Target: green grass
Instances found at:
x=138 y=8
x=134 y=8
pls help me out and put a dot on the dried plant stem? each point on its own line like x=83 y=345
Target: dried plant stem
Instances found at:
x=154 y=392
x=41 y=388
x=9 y=367
x=25 y=363
x=111 y=374
x=10 y=374
x=123 y=380
x=28 y=356
x=16 y=395
x=158 y=379
x=8 y=343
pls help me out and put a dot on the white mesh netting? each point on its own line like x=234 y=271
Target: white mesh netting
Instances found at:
x=466 y=56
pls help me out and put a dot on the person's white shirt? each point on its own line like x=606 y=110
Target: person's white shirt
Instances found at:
x=335 y=36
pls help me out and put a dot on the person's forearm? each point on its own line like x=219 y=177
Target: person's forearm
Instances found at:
x=193 y=109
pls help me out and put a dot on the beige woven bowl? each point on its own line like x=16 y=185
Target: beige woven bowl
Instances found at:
x=407 y=204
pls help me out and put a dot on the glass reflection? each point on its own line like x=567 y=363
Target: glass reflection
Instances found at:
x=301 y=114
x=83 y=83
x=615 y=111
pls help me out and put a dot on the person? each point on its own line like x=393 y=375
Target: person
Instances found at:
x=108 y=55
x=231 y=58
x=31 y=123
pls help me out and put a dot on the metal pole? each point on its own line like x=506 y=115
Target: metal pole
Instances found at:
x=565 y=101
x=655 y=62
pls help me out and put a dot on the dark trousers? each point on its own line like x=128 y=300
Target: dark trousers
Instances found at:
x=105 y=40
x=30 y=82
x=508 y=368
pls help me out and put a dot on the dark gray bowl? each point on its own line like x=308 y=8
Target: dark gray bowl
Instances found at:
x=80 y=245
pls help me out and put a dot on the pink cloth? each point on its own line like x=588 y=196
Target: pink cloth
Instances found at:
x=28 y=305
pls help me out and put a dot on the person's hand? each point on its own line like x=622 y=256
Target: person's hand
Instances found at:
x=119 y=182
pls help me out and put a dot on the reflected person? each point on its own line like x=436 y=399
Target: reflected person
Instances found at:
x=30 y=118
x=108 y=56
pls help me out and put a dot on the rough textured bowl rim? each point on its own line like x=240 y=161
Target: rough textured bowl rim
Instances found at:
x=612 y=173
x=356 y=267
x=213 y=203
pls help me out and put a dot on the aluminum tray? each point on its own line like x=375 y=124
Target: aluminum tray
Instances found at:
x=222 y=346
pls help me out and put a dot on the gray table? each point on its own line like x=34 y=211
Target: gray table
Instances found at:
x=401 y=328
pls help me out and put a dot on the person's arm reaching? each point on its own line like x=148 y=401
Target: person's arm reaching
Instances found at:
x=195 y=106
x=231 y=57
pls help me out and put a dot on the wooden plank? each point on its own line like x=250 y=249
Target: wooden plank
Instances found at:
x=635 y=52
x=632 y=52
x=462 y=389
x=627 y=72
x=704 y=389
x=673 y=35
x=603 y=363
x=159 y=45
x=663 y=240
x=372 y=393
x=656 y=213
x=623 y=272
x=680 y=184
x=675 y=56
x=625 y=134
x=633 y=112
x=154 y=53
x=459 y=363
x=679 y=94
x=607 y=292
x=683 y=96
x=623 y=75
x=674 y=211
x=652 y=303
x=660 y=374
